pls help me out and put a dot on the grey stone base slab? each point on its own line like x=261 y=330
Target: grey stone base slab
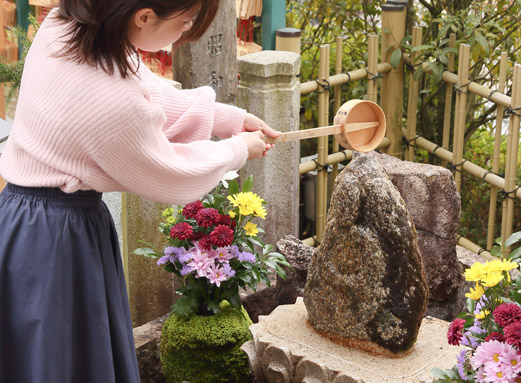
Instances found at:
x=286 y=349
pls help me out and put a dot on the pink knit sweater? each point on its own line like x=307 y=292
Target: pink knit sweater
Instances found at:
x=78 y=128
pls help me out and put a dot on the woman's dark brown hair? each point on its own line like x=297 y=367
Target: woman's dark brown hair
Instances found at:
x=98 y=29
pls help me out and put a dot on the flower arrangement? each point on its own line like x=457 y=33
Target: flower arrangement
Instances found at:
x=490 y=330
x=214 y=248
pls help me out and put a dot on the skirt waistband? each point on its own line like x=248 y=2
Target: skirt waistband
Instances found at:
x=81 y=198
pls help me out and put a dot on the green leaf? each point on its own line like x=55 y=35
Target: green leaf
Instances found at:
x=483 y=43
x=184 y=306
x=146 y=252
x=514 y=238
x=419 y=48
x=516 y=254
x=233 y=187
x=437 y=71
x=281 y=272
x=247 y=184
x=396 y=57
x=438 y=373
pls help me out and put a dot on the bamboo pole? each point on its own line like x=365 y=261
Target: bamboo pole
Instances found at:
x=321 y=194
x=412 y=105
x=335 y=158
x=343 y=78
x=448 y=99
x=469 y=167
x=473 y=87
x=372 y=58
x=512 y=153
x=393 y=26
x=497 y=149
x=325 y=180
x=338 y=96
x=460 y=121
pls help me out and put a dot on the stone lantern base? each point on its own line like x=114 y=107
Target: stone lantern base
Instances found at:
x=286 y=349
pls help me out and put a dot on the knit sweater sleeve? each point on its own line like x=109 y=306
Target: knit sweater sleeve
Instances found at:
x=191 y=104
x=143 y=161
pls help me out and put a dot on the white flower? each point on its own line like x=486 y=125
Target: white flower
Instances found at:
x=228 y=176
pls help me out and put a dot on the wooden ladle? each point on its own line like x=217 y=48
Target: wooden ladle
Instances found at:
x=358 y=125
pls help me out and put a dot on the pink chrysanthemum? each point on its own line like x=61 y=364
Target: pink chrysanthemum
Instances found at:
x=513 y=334
x=190 y=210
x=207 y=217
x=507 y=313
x=182 y=230
x=454 y=333
x=222 y=236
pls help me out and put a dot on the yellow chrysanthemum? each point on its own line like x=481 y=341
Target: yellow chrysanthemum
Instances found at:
x=260 y=212
x=492 y=266
x=475 y=272
x=248 y=203
x=482 y=314
x=231 y=214
x=492 y=279
x=170 y=219
x=167 y=212
x=476 y=293
x=251 y=229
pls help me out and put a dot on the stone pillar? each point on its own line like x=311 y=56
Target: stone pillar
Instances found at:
x=213 y=59
x=269 y=89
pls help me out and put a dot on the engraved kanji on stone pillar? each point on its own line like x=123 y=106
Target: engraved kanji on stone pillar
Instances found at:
x=212 y=61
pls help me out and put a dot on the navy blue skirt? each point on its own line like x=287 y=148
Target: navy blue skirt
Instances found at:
x=64 y=315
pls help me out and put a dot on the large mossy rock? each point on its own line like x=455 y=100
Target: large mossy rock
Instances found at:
x=366 y=286
x=206 y=349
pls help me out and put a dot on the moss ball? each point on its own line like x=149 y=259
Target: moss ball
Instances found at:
x=204 y=349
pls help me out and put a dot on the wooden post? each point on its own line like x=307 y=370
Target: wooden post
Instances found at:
x=497 y=149
x=448 y=99
x=3 y=52
x=338 y=96
x=372 y=58
x=412 y=107
x=459 y=123
x=512 y=153
x=393 y=27
x=321 y=192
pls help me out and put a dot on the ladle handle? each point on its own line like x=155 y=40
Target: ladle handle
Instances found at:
x=320 y=132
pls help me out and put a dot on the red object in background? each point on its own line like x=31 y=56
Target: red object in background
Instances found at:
x=245 y=30
x=163 y=57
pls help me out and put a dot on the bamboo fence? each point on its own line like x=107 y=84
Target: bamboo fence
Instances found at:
x=459 y=86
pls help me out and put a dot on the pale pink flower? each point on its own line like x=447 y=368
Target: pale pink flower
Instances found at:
x=223 y=254
x=216 y=274
x=200 y=263
x=487 y=352
x=496 y=362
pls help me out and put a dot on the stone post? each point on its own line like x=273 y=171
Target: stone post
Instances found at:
x=269 y=89
x=213 y=59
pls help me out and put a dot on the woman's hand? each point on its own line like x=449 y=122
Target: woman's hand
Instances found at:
x=256 y=145
x=253 y=123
